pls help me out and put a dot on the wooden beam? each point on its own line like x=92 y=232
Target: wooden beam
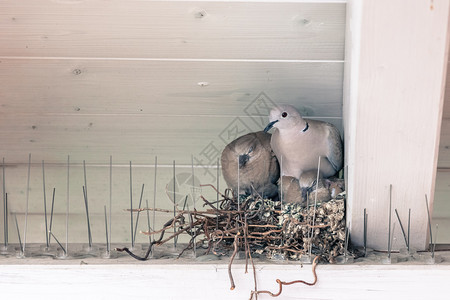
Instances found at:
x=396 y=57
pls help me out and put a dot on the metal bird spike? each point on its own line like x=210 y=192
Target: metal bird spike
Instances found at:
x=314 y=211
x=108 y=249
x=193 y=180
x=175 y=239
x=7 y=223
x=409 y=228
x=429 y=220
x=18 y=234
x=5 y=210
x=281 y=182
x=435 y=239
x=365 y=232
x=347 y=237
x=26 y=204
x=389 y=225
x=238 y=185
x=217 y=197
x=57 y=241
x=154 y=195
x=131 y=207
x=45 y=205
x=51 y=215
x=86 y=200
x=138 y=213
x=392 y=240
x=86 y=205
x=110 y=201
x=193 y=199
x=403 y=230
x=67 y=205
x=148 y=222
x=85 y=177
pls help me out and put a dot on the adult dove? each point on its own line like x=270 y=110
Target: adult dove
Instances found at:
x=258 y=166
x=299 y=143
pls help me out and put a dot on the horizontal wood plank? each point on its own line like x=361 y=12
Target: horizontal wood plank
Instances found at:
x=138 y=138
x=160 y=29
x=168 y=88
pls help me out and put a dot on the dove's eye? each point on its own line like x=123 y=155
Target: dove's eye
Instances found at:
x=284 y=114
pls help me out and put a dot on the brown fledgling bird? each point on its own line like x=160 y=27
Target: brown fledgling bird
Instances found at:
x=290 y=191
x=299 y=143
x=258 y=166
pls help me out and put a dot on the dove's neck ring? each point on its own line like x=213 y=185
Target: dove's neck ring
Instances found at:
x=306 y=127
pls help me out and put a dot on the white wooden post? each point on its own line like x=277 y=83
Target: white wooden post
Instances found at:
x=396 y=60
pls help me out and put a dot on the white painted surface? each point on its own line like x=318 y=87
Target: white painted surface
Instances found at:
x=211 y=282
x=161 y=29
x=396 y=123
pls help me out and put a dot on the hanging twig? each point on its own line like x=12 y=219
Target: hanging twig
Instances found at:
x=281 y=283
x=235 y=244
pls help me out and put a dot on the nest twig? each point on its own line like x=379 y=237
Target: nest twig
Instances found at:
x=259 y=226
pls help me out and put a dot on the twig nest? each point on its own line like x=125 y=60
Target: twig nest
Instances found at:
x=321 y=229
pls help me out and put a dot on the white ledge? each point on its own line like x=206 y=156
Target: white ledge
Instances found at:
x=165 y=279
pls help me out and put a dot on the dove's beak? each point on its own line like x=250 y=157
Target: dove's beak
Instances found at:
x=268 y=127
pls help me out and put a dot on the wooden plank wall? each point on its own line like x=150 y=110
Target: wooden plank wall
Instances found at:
x=135 y=79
